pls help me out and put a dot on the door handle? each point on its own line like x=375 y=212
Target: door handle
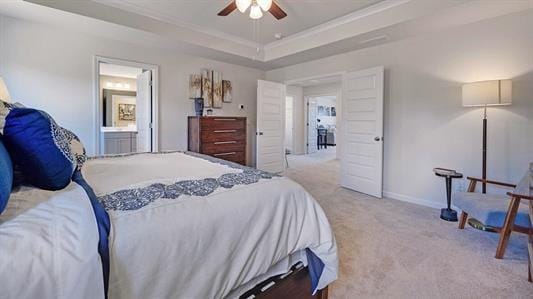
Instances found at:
x=259 y=133
x=224 y=154
x=225 y=131
x=377 y=138
x=225 y=142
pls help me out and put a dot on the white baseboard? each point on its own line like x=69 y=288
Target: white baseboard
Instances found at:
x=418 y=201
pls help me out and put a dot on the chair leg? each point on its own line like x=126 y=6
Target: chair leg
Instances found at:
x=462 y=220
x=507 y=228
x=529 y=270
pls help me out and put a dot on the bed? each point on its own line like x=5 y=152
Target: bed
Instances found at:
x=182 y=225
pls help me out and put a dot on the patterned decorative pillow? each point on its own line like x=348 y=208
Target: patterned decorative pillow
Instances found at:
x=46 y=153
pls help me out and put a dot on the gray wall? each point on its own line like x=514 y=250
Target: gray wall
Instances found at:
x=298 y=110
x=51 y=68
x=425 y=123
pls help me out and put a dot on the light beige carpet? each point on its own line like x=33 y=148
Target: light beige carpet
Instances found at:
x=393 y=249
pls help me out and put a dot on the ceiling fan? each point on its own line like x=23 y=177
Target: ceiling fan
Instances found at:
x=256 y=7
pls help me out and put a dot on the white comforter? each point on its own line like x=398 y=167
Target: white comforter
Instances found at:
x=188 y=247
x=48 y=245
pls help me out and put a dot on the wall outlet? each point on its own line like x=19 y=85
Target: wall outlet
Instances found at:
x=241 y=106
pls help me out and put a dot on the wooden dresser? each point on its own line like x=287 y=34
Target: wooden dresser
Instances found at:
x=219 y=136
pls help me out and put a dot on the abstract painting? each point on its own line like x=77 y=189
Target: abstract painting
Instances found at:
x=217 y=90
x=195 y=86
x=126 y=112
x=226 y=89
x=207 y=88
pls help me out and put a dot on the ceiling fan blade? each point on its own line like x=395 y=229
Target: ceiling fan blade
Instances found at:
x=276 y=11
x=228 y=9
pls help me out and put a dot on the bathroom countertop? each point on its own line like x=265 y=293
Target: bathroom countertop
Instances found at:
x=118 y=129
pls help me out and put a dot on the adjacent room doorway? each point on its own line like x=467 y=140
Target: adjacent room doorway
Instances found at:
x=126 y=99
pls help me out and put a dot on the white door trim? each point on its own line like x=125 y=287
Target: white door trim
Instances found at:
x=96 y=97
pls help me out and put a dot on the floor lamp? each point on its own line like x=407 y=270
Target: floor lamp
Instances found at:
x=484 y=94
x=4 y=94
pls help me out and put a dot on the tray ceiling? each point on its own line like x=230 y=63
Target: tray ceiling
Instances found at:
x=202 y=15
x=313 y=30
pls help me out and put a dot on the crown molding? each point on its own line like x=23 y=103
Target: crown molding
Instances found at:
x=356 y=15
x=134 y=8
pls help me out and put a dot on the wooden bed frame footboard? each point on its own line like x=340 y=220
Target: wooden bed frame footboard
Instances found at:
x=295 y=284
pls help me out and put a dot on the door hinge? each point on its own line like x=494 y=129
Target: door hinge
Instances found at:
x=151 y=125
x=151 y=82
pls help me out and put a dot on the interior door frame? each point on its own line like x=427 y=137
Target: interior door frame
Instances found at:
x=97 y=110
x=298 y=81
x=306 y=114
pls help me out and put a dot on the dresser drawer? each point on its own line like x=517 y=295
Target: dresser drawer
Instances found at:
x=237 y=157
x=222 y=123
x=217 y=147
x=217 y=135
x=223 y=137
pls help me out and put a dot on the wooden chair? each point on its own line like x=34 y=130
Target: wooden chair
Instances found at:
x=499 y=212
x=322 y=138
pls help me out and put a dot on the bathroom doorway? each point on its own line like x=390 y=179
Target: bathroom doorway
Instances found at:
x=126 y=106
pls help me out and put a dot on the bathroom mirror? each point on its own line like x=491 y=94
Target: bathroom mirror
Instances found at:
x=119 y=108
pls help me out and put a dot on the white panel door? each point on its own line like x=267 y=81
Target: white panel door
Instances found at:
x=362 y=131
x=143 y=112
x=312 y=124
x=270 y=126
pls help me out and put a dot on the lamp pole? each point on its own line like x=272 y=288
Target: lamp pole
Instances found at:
x=484 y=162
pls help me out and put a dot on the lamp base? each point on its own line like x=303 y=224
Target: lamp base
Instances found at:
x=448 y=215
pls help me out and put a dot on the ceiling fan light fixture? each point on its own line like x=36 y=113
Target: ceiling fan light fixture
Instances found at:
x=243 y=5
x=255 y=12
x=264 y=4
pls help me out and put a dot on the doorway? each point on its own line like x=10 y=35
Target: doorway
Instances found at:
x=322 y=124
x=357 y=126
x=125 y=106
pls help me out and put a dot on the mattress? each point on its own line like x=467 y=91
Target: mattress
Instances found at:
x=182 y=226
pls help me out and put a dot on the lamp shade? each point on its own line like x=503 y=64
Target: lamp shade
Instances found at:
x=4 y=94
x=487 y=93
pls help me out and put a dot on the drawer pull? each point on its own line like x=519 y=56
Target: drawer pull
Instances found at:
x=225 y=119
x=224 y=154
x=225 y=131
x=225 y=142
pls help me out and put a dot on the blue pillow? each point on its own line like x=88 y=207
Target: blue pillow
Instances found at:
x=6 y=176
x=40 y=148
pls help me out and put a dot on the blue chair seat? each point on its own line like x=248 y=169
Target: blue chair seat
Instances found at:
x=490 y=209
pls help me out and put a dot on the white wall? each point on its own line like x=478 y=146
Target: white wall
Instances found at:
x=425 y=123
x=296 y=92
x=289 y=123
x=51 y=68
